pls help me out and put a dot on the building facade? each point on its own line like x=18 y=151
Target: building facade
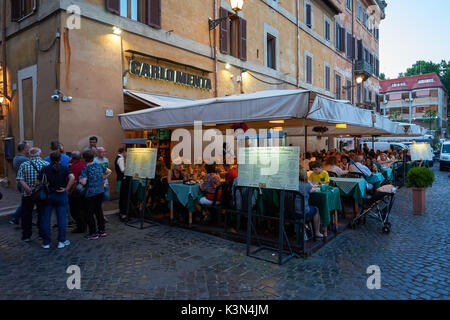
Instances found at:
x=107 y=57
x=419 y=99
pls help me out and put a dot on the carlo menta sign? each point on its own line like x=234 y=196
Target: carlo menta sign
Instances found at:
x=148 y=71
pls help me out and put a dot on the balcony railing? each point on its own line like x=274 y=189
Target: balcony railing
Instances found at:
x=363 y=67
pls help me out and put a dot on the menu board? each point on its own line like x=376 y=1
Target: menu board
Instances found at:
x=421 y=151
x=141 y=162
x=269 y=167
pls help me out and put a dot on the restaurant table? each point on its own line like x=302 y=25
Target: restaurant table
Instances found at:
x=327 y=201
x=376 y=180
x=186 y=194
x=354 y=187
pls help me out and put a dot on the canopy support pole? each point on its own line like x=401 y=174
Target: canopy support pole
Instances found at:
x=306 y=139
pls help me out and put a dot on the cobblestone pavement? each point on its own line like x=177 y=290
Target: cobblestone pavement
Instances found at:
x=170 y=263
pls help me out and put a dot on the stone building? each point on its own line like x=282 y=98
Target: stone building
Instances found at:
x=106 y=57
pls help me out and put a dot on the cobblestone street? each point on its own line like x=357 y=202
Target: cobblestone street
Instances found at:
x=171 y=263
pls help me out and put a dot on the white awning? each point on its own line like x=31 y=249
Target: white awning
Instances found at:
x=297 y=107
x=154 y=100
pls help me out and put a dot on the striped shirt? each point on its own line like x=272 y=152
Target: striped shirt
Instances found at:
x=28 y=173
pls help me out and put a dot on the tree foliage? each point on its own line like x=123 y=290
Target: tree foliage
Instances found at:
x=382 y=76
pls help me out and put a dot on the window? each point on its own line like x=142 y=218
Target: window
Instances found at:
x=337 y=86
x=364 y=18
x=339 y=37
x=308 y=14
x=21 y=9
x=429 y=80
x=349 y=90
x=327 y=77
x=271 y=51
x=398 y=84
x=144 y=11
x=370 y=95
x=233 y=35
x=358 y=93
x=327 y=29
x=309 y=72
x=350 y=5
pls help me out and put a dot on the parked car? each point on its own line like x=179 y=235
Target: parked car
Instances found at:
x=444 y=158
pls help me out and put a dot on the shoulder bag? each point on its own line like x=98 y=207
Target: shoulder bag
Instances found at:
x=40 y=192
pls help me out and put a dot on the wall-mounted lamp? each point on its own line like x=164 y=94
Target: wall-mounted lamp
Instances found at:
x=276 y=121
x=117 y=31
x=236 y=5
x=341 y=126
x=227 y=66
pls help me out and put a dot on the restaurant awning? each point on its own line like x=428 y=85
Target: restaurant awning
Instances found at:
x=154 y=100
x=298 y=108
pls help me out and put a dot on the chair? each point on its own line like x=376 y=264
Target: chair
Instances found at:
x=295 y=211
x=332 y=174
x=356 y=175
x=239 y=204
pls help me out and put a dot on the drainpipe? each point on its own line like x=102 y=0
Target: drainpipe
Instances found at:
x=5 y=78
x=298 y=44
x=215 y=51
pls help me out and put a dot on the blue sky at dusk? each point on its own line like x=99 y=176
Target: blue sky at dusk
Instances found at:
x=414 y=30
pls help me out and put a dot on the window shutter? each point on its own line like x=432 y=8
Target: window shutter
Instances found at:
x=349 y=46
x=16 y=10
x=111 y=5
x=308 y=69
x=224 y=31
x=154 y=13
x=308 y=15
x=354 y=53
x=377 y=67
x=360 y=50
x=342 y=39
x=243 y=40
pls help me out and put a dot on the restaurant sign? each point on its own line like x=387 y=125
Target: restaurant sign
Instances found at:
x=148 y=71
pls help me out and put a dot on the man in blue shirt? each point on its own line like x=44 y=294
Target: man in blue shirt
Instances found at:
x=56 y=146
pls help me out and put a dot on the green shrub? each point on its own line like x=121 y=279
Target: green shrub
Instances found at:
x=420 y=177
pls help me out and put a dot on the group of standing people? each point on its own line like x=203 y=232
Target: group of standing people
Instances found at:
x=78 y=181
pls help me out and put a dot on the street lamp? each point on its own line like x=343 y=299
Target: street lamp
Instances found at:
x=236 y=5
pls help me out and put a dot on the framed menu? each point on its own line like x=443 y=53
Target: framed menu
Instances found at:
x=421 y=151
x=269 y=167
x=141 y=162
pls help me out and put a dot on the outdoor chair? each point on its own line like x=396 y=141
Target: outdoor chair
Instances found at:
x=332 y=174
x=239 y=204
x=295 y=211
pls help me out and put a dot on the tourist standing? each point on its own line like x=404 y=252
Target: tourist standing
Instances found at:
x=92 y=144
x=60 y=179
x=104 y=162
x=57 y=146
x=27 y=176
x=94 y=175
x=22 y=156
x=76 y=202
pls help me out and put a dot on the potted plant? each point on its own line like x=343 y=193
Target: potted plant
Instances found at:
x=419 y=179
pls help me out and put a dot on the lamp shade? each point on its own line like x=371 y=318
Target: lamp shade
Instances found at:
x=237 y=5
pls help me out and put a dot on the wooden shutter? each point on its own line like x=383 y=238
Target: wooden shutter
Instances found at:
x=377 y=67
x=308 y=69
x=243 y=40
x=154 y=13
x=354 y=51
x=360 y=50
x=112 y=6
x=342 y=38
x=308 y=15
x=349 y=46
x=224 y=31
x=16 y=10
x=327 y=78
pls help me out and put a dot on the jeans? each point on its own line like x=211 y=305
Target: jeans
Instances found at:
x=27 y=216
x=107 y=195
x=94 y=208
x=18 y=214
x=78 y=211
x=59 y=202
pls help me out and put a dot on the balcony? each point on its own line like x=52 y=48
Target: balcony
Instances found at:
x=363 y=68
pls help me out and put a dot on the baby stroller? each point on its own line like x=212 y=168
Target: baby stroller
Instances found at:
x=377 y=204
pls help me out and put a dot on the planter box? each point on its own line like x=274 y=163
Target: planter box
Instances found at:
x=419 y=200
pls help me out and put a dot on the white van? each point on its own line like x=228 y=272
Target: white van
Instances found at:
x=444 y=158
x=384 y=146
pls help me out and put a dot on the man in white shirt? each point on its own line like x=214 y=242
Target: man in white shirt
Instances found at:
x=359 y=167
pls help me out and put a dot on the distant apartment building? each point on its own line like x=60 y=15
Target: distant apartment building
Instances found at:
x=408 y=99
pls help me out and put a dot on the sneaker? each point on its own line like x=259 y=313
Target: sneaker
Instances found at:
x=63 y=244
x=13 y=222
x=46 y=246
x=102 y=234
x=92 y=237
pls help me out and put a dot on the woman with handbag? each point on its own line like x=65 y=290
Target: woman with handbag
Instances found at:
x=58 y=180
